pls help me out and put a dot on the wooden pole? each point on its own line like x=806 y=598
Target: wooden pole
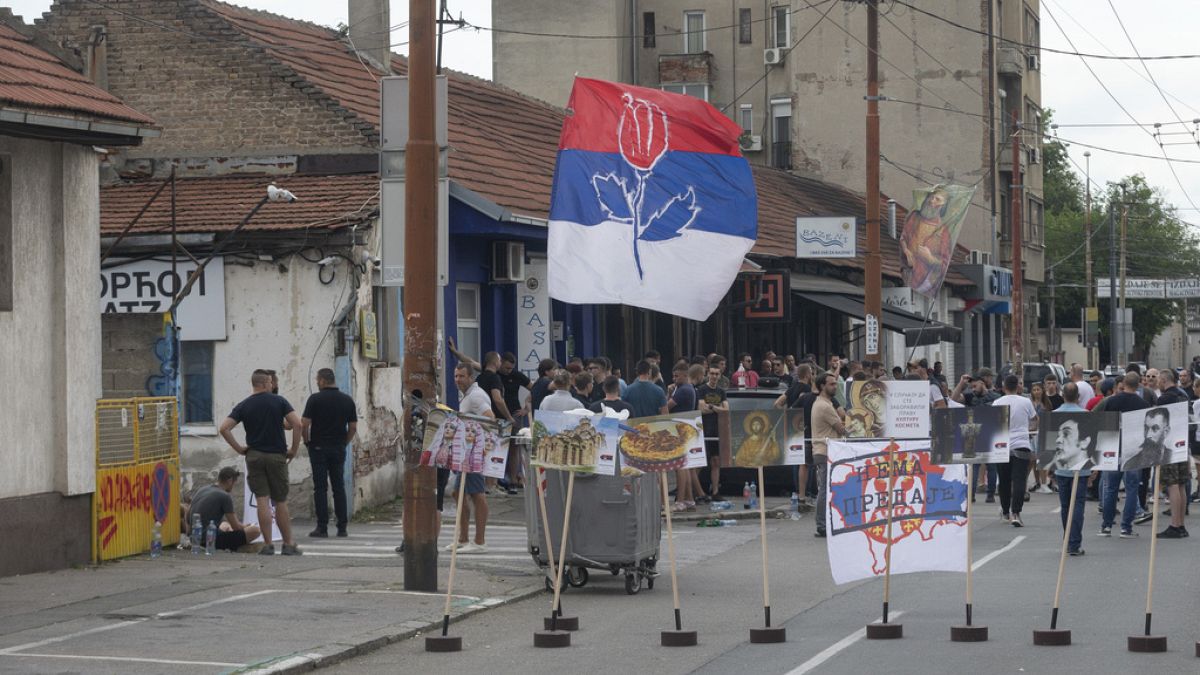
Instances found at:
x=541 y=491
x=762 y=522
x=462 y=490
x=1062 y=556
x=872 y=272
x=671 y=549
x=562 y=551
x=887 y=554
x=1153 y=543
x=970 y=539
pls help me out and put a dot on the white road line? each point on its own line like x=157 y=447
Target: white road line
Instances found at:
x=998 y=552
x=210 y=603
x=9 y=651
x=285 y=664
x=132 y=659
x=832 y=650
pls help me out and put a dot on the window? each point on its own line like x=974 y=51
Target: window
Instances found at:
x=1036 y=214
x=1032 y=125
x=7 y=275
x=781 y=133
x=747 y=118
x=469 y=323
x=196 y=369
x=1033 y=33
x=1005 y=210
x=744 y=23
x=700 y=91
x=693 y=27
x=781 y=26
x=648 y=29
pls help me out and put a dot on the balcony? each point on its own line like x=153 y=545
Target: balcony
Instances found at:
x=781 y=155
x=685 y=68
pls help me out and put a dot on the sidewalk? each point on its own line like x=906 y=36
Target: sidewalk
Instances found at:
x=236 y=612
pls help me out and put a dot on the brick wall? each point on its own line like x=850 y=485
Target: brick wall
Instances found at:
x=212 y=97
x=128 y=358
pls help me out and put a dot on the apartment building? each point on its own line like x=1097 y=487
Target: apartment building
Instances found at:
x=793 y=74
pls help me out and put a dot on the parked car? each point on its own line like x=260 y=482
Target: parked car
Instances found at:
x=1036 y=372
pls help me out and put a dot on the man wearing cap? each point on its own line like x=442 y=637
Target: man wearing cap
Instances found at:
x=214 y=504
x=921 y=369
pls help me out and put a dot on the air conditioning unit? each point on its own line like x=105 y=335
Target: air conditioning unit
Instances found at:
x=773 y=56
x=1031 y=61
x=1009 y=61
x=750 y=143
x=1032 y=155
x=508 y=262
x=977 y=257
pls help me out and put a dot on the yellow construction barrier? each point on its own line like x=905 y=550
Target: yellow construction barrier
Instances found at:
x=137 y=475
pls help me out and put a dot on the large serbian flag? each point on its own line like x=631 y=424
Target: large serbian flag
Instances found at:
x=653 y=204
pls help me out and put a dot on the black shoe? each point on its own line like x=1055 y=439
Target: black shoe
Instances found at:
x=342 y=532
x=1077 y=552
x=820 y=534
x=991 y=499
x=1172 y=532
x=269 y=549
x=1144 y=518
x=1016 y=520
x=400 y=548
x=319 y=533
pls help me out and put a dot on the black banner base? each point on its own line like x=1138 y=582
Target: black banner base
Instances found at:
x=1148 y=643
x=765 y=636
x=443 y=643
x=569 y=623
x=1052 y=637
x=968 y=633
x=679 y=638
x=551 y=639
x=885 y=631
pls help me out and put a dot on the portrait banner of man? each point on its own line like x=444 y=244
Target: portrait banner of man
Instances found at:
x=1077 y=441
x=930 y=232
x=1154 y=436
x=975 y=435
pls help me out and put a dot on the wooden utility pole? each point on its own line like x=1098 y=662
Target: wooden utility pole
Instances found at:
x=874 y=266
x=420 y=293
x=1017 y=347
x=1087 y=256
x=1125 y=349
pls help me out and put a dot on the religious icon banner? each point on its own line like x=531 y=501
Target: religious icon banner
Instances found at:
x=975 y=435
x=573 y=442
x=930 y=232
x=753 y=438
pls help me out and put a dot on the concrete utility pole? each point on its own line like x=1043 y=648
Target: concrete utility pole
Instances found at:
x=1017 y=347
x=995 y=260
x=1125 y=349
x=874 y=266
x=420 y=293
x=1054 y=341
x=1113 y=321
x=1087 y=256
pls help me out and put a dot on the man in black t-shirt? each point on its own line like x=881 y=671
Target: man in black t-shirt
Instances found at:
x=512 y=380
x=711 y=400
x=263 y=415
x=214 y=504
x=801 y=395
x=612 y=397
x=541 y=389
x=330 y=422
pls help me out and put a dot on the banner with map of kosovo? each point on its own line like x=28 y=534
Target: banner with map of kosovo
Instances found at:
x=929 y=523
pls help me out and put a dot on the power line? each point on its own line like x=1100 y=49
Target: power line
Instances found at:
x=1017 y=43
x=1126 y=153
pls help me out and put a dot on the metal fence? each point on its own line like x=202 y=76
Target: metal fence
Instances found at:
x=137 y=475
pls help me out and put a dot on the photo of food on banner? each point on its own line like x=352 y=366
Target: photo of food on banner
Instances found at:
x=662 y=443
x=1154 y=436
x=753 y=438
x=570 y=441
x=464 y=443
x=1079 y=441
x=975 y=435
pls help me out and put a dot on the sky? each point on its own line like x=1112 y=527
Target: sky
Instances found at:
x=1156 y=28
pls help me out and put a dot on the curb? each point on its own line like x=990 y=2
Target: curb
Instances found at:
x=777 y=512
x=336 y=652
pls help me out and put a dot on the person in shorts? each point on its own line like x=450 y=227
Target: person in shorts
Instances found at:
x=473 y=401
x=263 y=415
x=214 y=504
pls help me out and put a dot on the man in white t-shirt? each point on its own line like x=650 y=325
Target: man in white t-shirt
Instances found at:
x=473 y=402
x=1086 y=393
x=1022 y=421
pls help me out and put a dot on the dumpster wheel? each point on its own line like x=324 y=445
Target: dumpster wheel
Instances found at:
x=577 y=576
x=633 y=582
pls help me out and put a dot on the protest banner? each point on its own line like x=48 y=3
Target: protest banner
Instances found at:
x=755 y=438
x=464 y=443
x=573 y=442
x=1154 y=436
x=1079 y=441
x=975 y=435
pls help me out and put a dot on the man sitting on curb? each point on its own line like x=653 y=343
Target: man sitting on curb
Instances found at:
x=214 y=504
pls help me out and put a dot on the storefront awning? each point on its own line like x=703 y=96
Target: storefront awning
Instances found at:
x=916 y=332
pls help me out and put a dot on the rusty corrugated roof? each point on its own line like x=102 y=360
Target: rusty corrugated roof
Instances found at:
x=34 y=80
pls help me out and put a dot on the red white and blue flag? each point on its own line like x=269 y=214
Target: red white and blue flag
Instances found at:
x=653 y=204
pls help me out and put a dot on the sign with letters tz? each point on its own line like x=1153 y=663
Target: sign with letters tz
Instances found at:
x=149 y=287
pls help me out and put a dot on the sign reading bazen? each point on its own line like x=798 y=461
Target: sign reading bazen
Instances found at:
x=826 y=237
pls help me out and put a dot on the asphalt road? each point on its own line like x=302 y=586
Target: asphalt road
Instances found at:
x=721 y=597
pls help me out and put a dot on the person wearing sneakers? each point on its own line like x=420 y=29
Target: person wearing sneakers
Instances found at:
x=1174 y=476
x=1022 y=420
x=826 y=424
x=1125 y=400
x=262 y=415
x=1070 y=443
x=472 y=402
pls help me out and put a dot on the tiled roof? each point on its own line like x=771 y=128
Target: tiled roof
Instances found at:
x=219 y=204
x=783 y=196
x=502 y=143
x=33 y=80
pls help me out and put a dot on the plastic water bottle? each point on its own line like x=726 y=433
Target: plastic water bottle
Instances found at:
x=746 y=496
x=795 y=502
x=753 y=495
x=210 y=538
x=726 y=523
x=197 y=534
x=156 y=540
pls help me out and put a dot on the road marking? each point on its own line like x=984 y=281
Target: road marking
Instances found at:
x=132 y=659
x=285 y=664
x=9 y=651
x=210 y=603
x=1000 y=551
x=832 y=650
